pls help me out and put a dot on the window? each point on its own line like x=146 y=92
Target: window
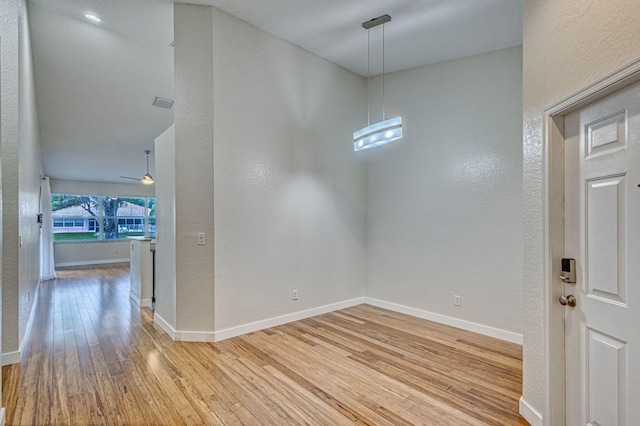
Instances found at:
x=151 y=219
x=94 y=218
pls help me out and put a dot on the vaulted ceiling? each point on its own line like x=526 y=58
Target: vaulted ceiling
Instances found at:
x=95 y=82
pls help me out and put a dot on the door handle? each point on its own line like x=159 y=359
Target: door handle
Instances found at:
x=569 y=300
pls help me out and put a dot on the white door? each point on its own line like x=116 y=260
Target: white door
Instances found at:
x=602 y=232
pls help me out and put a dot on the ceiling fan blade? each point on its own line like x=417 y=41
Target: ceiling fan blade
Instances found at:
x=146 y=179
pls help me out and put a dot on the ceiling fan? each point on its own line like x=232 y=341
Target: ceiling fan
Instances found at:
x=147 y=179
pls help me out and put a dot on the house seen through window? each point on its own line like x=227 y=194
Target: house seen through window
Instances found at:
x=96 y=218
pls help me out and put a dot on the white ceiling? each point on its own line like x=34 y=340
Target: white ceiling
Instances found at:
x=95 y=82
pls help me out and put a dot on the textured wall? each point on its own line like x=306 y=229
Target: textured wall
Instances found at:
x=166 y=226
x=444 y=204
x=567 y=45
x=9 y=121
x=288 y=188
x=29 y=172
x=21 y=169
x=194 y=121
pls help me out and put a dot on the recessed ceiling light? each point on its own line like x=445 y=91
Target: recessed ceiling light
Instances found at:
x=92 y=17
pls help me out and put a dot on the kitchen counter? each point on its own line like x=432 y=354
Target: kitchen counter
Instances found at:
x=141 y=270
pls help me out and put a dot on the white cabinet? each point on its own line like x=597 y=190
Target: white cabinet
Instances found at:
x=141 y=271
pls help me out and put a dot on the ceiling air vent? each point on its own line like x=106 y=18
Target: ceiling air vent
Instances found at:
x=162 y=102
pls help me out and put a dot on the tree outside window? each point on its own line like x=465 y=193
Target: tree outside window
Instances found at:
x=78 y=217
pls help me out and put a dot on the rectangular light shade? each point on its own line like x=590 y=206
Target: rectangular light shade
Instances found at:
x=377 y=134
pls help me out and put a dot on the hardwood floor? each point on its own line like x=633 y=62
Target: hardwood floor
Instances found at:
x=95 y=358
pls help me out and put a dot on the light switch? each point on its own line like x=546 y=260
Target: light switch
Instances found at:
x=200 y=238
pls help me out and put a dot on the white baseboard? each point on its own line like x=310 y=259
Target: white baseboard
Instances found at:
x=486 y=330
x=32 y=314
x=145 y=303
x=91 y=262
x=135 y=299
x=195 y=336
x=11 y=358
x=283 y=319
x=15 y=357
x=529 y=413
x=164 y=325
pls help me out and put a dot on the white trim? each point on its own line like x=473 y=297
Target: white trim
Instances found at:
x=195 y=336
x=552 y=201
x=164 y=325
x=284 y=319
x=529 y=413
x=2 y=417
x=135 y=299
x=16 y=356
x=486 y=330
x=553 y=246
x=91 y=262
x=612 y=82
x=143 y=303
x=32 y=314
x=11 y=358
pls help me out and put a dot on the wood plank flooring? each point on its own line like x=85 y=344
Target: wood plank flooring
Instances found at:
x=94 y=358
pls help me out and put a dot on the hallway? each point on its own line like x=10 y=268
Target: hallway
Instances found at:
x=94 y=358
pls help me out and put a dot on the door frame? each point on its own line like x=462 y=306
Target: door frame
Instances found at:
x=553 y=199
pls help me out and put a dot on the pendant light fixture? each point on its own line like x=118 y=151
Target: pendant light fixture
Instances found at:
x=384 y=131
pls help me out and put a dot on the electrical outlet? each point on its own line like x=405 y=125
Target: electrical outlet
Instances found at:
x=201 y=238
x=294 y=295
x=457 y=300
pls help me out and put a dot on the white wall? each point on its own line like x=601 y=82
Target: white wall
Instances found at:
x=95 y=252
x=30 y=170
x=287 y=188
x=21 y=169
x=6 y=18
x=444 y=204
x=166 y=227
x=10 y=122
x=568 y=44
x=90 y=253
x=194 y=210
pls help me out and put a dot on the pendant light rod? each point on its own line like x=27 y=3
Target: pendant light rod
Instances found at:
x=383 y=69
x=368 y=76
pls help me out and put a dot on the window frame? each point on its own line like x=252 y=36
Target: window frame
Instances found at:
x=95 y=224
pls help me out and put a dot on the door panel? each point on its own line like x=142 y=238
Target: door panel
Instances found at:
x=602 y=232
x=606 y=231
x=607 y=398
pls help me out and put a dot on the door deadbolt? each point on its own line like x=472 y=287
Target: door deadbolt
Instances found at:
x=569 y=300
x=568 y=273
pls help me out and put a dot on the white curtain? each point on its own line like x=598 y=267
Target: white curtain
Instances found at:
x=47 y=264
